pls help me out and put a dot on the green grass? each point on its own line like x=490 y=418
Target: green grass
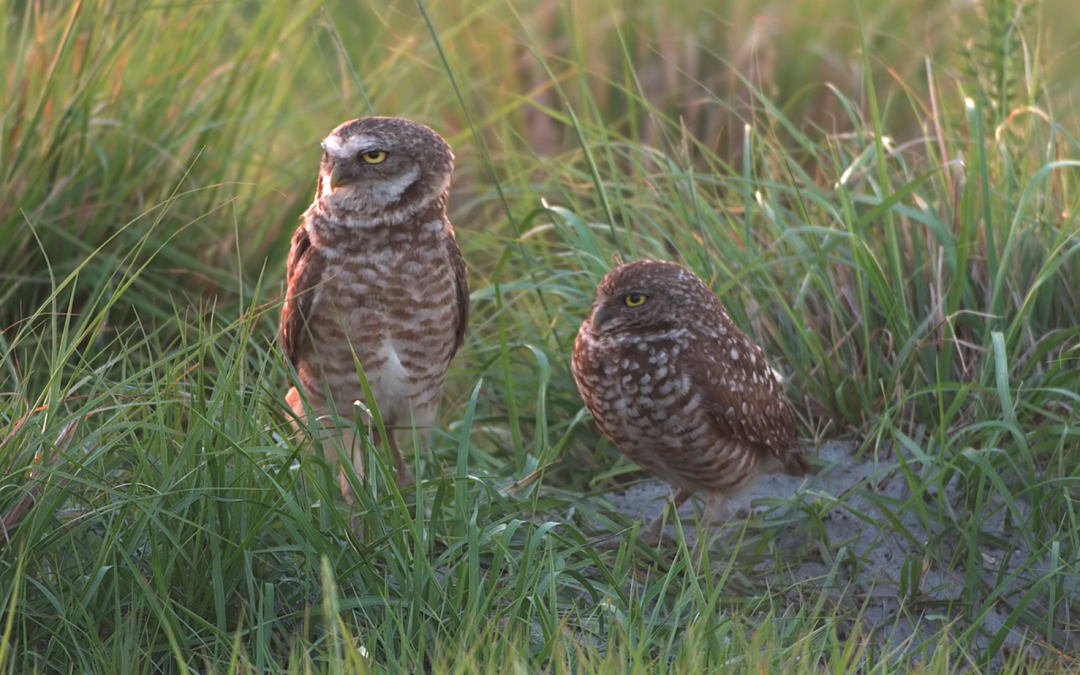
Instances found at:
x=884 y=197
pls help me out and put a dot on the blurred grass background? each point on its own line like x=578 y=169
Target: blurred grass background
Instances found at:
x=206 y=118
x=907 y=258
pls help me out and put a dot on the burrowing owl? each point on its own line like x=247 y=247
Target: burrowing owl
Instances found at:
x=374 y=271
x=679 y=389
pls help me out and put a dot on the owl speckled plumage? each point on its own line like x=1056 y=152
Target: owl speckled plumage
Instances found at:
x=374 y=270
x=680 y=390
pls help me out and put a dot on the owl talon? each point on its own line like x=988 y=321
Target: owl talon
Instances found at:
x=405 y=480
x=346 y=490
x=662 y=540
x=610 y=544
x=355 y=526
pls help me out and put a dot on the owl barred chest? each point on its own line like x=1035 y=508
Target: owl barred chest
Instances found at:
x=391 y=300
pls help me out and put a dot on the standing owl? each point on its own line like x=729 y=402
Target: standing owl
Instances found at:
x=375 y=271
x=680 y=390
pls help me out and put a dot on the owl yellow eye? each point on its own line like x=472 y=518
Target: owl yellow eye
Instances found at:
x=635 y=299
x=374 y=157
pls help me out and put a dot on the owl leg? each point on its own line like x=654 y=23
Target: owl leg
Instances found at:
x=652 y=534
x=713 y=503
x=325 y=437
x=354 y=449
x=404 y=474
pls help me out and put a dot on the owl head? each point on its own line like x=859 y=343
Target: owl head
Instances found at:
x=652 y=296
x=383 y=170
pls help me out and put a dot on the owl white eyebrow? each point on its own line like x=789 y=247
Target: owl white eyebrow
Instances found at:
x=350 y=148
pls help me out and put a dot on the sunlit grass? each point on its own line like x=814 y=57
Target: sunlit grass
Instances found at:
x=898 y=234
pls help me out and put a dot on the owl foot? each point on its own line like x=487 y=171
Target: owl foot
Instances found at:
x=613 y=543
x=346 y=489
x=653 y=533
x=713 y=502
x=405 y=478
x=609 y=544
x=661 y=540
x=355 y=526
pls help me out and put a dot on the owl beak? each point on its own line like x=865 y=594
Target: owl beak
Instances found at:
x=599 y=317
x=337 y=177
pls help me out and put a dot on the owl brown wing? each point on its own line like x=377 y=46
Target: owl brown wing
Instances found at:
x=303 y=272
x=461 y=283
x=733 y=373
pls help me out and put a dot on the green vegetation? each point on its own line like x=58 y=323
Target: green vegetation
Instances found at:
x=883 y=193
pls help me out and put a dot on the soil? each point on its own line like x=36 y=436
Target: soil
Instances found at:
x=858 y=554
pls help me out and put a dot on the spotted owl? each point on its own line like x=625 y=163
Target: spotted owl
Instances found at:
x=375 y=271
x=680 y=390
